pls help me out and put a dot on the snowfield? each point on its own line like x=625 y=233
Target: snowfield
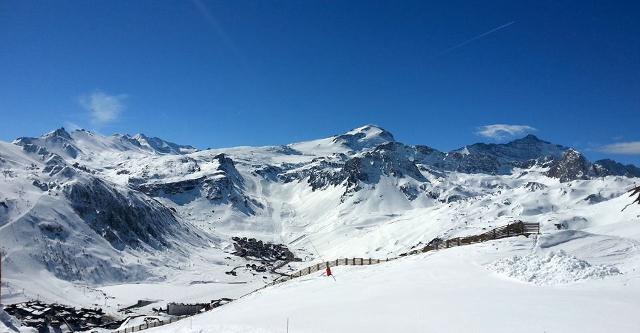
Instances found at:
x=445 y=291
x=554 y=268
x=106 y=221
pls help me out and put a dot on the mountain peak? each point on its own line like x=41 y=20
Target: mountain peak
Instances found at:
x=140 y=136
x=58 y=133
x=367 y=136
x=572 y=166
x=371 y=131
x=529 y=138
x=159 y=145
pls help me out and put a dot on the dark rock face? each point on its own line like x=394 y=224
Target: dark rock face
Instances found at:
x=534 y=186
x=286 y=150
x=528 y=148
x=609 y=167
x=171 y=188
x=42 y=186
x=56 y=165
x=59 y=133
x=595 y=198
x=502 y=158
x=395 y=159
x=225 y=186
x=268 y=172
x=53 y=230
x=60 y=141
x=122 y=218
x=473 y=163
x=572 y=166
x=410 y=192
x=321 y=173
x=389 y=159
x=229 y=168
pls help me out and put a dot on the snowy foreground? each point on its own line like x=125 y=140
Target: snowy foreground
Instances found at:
x=452 y=290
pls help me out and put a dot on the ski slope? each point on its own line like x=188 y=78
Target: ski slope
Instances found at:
x=452 y=290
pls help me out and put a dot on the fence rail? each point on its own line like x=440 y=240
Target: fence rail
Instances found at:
x=510 y=230
x=514 y=229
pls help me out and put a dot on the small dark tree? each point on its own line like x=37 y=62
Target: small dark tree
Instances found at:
x=634 y=192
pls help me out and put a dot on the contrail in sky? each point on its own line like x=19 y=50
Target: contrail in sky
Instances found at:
x=215 y=24
x=475 y=38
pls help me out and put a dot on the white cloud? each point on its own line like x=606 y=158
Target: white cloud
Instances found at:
x=71 y=126
x=104 y=108
x=502 y=131
x=622 y=148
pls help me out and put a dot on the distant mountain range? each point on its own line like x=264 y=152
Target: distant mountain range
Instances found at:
x=95 y=208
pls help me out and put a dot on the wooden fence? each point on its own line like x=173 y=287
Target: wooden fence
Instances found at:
x=514 y=229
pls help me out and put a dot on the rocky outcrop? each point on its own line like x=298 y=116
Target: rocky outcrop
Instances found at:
x=534 y=186
x=124 y=218
x=157 y=145
x=502 y=158
x=224 y=186
x=257 y=249
x=58 y=141
x=609 y=167
x=572 y=166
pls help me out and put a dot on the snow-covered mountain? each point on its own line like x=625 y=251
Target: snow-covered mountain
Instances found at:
x=85 y=208
x=82 y=144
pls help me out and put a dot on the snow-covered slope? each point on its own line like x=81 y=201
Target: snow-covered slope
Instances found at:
x=85 y=146
x=80 y=208
x=62 y=222
x=453 y=290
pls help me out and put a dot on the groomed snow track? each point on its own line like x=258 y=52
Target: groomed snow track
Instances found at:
x=511 y=230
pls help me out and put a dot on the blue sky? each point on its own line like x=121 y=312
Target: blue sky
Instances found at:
x=226 y=73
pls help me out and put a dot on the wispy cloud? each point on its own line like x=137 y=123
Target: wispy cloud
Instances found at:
x=103 y=108
x=622 y=148
x=71 y=126
x=214 y=23
x=503 y=131
x=484 y=34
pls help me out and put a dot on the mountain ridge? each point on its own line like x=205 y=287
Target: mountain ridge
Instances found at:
x=72 y=202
